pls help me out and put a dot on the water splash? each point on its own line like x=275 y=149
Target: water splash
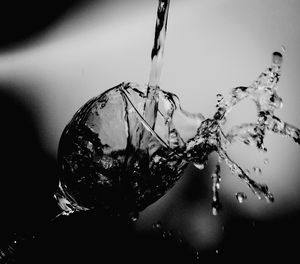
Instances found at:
x=95 y=161
x=127 y=147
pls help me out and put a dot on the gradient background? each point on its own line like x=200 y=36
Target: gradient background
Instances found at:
x=53 y=58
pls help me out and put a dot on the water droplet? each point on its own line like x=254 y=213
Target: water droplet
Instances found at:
x=199 y=166
x=170 y=233
x=219 y=97
x=157 y=225
x=214 y=211
x=266 y=161
x=270 y=198
x=217 y=251
x=257 y=170
x=283 y=48
x=166 y=234
x=277 y=57
x=134 y=216
x=240 y=196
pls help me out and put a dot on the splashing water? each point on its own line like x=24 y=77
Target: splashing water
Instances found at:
x=125 y=148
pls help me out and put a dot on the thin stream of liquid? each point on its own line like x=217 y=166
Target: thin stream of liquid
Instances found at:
x=159 y=43
x=216 y=178
x=151 y=104
x=150 y=107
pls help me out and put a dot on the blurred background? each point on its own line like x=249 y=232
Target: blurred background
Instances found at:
x=54 y=57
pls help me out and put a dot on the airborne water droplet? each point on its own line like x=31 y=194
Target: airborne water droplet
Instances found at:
x=199 y=166
x=266 y=161
x=214 y=211
x=157 y=225
x=240 y=196
x=134 y=216
x=257 y=170
x=219 y=97
x=277 y=58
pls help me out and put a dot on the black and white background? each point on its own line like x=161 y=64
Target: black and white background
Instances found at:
x=56 y=56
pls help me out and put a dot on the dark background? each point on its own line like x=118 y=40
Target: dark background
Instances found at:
x=29 y=177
